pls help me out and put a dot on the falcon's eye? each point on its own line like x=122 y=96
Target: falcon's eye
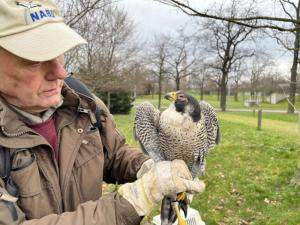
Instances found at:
x=181 y=97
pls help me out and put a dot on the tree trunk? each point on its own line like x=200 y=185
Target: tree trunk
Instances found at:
x=294 y=68
x=201 y=91
x=294 y=75
x=223 y=93
x=177 y=84
x=236 y=93
x=252 y=93
x=159 y=90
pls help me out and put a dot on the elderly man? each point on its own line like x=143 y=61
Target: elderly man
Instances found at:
x=58 y=158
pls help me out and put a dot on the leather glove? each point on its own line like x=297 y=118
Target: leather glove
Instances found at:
x=164 y=178
x=146 y=166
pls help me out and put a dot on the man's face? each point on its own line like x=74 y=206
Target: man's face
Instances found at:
x=32 y=86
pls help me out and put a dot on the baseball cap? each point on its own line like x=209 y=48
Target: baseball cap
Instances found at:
x=34 y=30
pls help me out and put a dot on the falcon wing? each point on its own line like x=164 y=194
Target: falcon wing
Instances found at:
x=211 y=124
x=208 y=141
x=146 y=130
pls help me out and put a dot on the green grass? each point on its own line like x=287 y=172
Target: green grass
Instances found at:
x=248 y=175
x=272 y=116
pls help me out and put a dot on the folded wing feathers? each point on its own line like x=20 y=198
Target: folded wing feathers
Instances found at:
x=146 y=130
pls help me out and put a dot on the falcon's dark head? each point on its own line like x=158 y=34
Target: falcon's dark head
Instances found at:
x=185 y=103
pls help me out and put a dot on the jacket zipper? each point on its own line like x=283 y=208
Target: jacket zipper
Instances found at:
x=17 y=134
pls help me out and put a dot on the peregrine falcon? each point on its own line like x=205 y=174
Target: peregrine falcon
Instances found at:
x=186 y=130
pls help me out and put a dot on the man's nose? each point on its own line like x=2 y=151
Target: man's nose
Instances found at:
x=56 y=69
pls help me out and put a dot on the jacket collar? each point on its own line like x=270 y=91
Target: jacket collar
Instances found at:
x=15 y=134
x=29 y=118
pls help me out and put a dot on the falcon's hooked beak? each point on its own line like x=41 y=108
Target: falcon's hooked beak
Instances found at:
x=171 y=96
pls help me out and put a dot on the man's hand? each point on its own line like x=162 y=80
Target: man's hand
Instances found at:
x=163 y=179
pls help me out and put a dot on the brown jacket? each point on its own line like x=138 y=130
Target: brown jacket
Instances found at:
x=68 y=192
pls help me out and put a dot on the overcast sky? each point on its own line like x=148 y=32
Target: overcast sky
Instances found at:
x=152 y=18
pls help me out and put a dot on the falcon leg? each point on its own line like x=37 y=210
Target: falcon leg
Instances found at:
x=198 y=169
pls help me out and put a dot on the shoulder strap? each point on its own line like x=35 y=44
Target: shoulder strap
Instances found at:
x=78 y=86
x=9 y=184
x=81 y=88
x=4 y=163
x=5 y=169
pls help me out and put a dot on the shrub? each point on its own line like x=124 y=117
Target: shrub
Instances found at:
x=120 y=102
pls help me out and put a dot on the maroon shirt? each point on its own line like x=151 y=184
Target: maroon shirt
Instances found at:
x=48 y=130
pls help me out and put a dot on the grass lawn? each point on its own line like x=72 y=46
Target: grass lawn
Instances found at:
x=248 y=175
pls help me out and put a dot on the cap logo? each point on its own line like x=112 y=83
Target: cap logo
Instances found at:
x=28 y=5
x=34 y=15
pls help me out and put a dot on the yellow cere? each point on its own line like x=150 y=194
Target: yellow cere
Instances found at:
x=173 y=95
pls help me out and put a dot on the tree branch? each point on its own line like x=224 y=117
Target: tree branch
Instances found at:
x=237 y=20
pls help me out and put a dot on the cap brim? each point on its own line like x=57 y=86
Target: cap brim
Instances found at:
x=42 y=43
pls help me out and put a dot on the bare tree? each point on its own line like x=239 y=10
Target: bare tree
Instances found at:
x=117 y=51
x=226 y=41
x=75 y=11
x=201 y=77
x=157 y=61
x=287 y=21
x=111 y=42
x=236 y=75
x=182 y=58
x=291 y=43
x=110 y=52
x=80 y=15
x=257 y=68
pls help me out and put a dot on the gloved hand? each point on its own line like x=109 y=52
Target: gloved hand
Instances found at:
x=164 y=178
